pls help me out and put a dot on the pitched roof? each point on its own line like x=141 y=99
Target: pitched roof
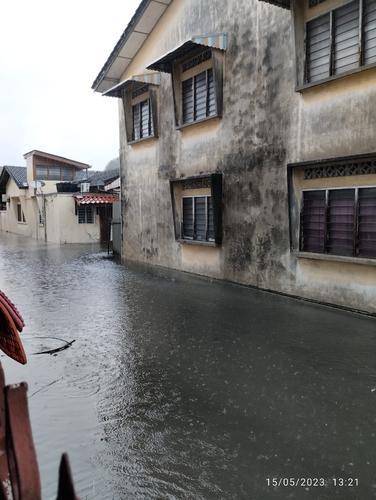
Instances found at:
x=18 y=174
x=61 y=159
x=98 y=177
x=140 y=26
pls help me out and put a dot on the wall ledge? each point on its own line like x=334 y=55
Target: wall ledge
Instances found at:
x=335 y=258
x=198 y=243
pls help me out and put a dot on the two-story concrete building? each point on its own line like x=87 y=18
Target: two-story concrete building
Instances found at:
x=247 y=142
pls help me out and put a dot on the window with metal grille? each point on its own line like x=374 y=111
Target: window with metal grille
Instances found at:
x=85 y=214
x=198 y=97
x=142 y=120
x=341 y=40
x=198 y=220
x=339 y=222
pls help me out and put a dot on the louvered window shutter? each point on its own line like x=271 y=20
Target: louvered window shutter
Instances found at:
x=136 y=122
x=145 y=118
x=211 y=230
x=346 y=37
x=211 y=94
x=188 y=223
x=200 y=218
x=313 y=221
x=188 y=101
x=341 y=220
x=199 y=100
x=367 y=222
x=369 y=31
x=318 y=49
x=200 y=96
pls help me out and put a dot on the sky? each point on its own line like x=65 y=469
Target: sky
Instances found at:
x=50 y=54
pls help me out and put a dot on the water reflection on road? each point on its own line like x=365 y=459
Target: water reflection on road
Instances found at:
x=178 y=387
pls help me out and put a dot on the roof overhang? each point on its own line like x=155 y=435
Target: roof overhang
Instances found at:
x=60 y=159
x=216 y=41
x=95 y=199
x=135 y=83
x=141 y=25
x=285 y=4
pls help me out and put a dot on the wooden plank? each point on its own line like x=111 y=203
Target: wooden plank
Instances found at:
x=5 y=485
x=23 y=460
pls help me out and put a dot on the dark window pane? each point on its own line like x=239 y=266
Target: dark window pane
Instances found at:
x=188 y=223
x=212 y=108
x=41 y=172
x=211 y=232
x=67 y=173
x=19 y=213
x=188 y=105
x=54 y=173
x=85 y=214
x=313 y=222
x=200 y=94
x=367 y=222
x=200 y=218
x=341 y=222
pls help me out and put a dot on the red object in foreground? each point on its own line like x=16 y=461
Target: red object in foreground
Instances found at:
x=11 y=323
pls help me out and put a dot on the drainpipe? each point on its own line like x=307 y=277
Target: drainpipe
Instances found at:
x=44 y=215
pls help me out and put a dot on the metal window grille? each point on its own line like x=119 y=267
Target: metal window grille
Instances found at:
x=339 y=222
x=142 y=120
x=199 y=97
x=85 y=214
x=340 y=40
x=198 y=218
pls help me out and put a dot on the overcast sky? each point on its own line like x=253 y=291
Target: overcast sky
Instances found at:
x=50 y=53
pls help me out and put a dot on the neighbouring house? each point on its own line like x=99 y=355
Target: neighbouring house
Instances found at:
x=56 y=199
x=247 y=142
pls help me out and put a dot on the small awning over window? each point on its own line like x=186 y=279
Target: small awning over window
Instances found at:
x=135 y=82
x=285 y=4
x=95 y=199
x=217 y=41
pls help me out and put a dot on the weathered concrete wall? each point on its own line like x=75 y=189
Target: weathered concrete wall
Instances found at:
x=61 y=221
x=265 y=125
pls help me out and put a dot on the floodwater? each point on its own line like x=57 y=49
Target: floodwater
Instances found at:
x=178 y=387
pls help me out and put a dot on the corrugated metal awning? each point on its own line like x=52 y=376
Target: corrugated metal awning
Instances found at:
x=135 y=82
x=216 y=41
x=95 y=199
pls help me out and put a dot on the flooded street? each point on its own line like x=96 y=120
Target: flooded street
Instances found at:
x=179 y=387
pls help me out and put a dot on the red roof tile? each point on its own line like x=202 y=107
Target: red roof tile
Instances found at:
x=95 y=199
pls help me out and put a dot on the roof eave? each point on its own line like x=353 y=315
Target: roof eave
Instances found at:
x=129 y=30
